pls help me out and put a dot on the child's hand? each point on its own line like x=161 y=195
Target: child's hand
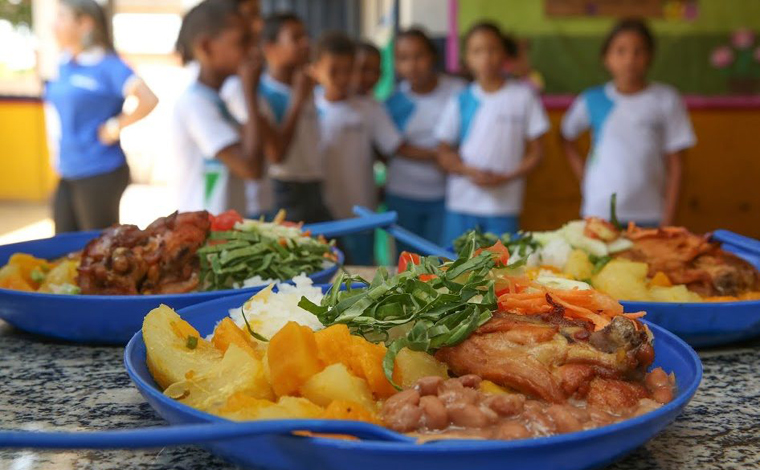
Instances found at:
x=250 y=71
x=489 y=179
x=450 y=162
x=303 y=84
x=109 y=132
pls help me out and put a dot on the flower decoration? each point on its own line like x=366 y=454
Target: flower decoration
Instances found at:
x=743 y=38
x=722 y=57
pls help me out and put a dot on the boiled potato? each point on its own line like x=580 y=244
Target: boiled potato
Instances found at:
x=337 y=383
x=243 y=407
x=227 y=332
x=351 y=411
x=677 y=293
x=413 y=365
x=169 y=357
x=578 y=265
x=238 y=372
x=64 y=272
x=293 y=358
x=623 y=280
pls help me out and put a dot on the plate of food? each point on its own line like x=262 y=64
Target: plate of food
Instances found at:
x=456 y=359
x=95 y=287
x=706 y=292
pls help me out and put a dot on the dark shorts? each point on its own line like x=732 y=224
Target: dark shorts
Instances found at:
x=302 y=201
x=89 y=203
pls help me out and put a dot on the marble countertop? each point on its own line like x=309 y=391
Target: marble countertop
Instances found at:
x=49 y=385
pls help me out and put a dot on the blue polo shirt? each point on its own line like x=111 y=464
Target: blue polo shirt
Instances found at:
x=88 y=91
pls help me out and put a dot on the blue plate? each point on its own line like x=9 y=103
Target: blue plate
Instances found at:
x=97 y=319
x=581 y=450
x=704 y=324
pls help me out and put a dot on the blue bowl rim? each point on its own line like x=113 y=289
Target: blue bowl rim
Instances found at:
x=734 y=303
x=680 y=401
x=168 y=297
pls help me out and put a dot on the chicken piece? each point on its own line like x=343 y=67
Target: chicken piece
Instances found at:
x=692 y=260
x=125 y=260
x=549 y=358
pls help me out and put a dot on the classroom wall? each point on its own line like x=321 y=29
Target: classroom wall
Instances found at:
x=25 y=172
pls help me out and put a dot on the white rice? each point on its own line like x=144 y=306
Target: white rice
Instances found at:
x=267 y=314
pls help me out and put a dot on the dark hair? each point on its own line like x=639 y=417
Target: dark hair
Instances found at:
x=633 y=25
x=334 y=43
x=274 y=23
x=419 y=34
x=368 y=48
x=101 y=33
x=209 y=17
x=507 y=42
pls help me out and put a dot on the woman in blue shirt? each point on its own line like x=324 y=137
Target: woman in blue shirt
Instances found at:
x=86 y=101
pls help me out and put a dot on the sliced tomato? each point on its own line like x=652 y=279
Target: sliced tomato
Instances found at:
x=406 y=258
x=500 y=252
x=225 y=221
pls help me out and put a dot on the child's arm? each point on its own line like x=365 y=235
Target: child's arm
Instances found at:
x=245 y=158
x=416 y=153
x=574 y=158
x=448 y=158
x=280 y=139
x=674 y=168
x=534 y=153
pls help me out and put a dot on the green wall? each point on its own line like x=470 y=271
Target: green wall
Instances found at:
x=566 y=50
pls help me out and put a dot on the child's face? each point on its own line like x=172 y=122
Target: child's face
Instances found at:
x=627 y=58
x=334 y=73
x=291 y=48
x=485 y=55
x=366 y=72
x=225 y=52
x=414 y=61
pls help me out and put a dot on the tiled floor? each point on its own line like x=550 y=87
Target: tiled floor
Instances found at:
x=19 y=221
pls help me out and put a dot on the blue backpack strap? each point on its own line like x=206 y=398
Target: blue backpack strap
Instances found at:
x=599 y=106
x=468 y=105
x=400 y=108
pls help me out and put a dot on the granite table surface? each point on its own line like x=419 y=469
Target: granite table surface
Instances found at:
x=50 y=385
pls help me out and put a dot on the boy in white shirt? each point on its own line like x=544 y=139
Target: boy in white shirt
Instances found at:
x=489 y=141
x=350 y=127
x=214 y=153
x=296 y=164
x=640 y=131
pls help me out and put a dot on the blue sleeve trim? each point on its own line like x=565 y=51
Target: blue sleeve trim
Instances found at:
x=277 y=100
x=468 y=106
x=599 y=106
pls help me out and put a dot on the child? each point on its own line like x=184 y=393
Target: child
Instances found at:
x=417 y=186
x=367 y=69
x=489 y=141
x=259 y=196
x=350 y=125
x=640 y=131
x=297 y=167
x=215 y=154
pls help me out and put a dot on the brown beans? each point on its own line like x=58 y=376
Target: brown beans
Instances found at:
x=564 y=419
x=434 y=414
x=659 y=384
x=471 y=380
x=506 y=405
x=401 y=411
x=467 y=416
x=428 y=385
x=663 y=395
x=509 y=430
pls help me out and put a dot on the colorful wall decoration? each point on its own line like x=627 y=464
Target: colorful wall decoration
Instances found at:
x=697 y=47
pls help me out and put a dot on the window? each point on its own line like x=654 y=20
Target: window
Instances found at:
x=18 y=75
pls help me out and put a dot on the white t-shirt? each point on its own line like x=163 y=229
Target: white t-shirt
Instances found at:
x=349 y=130
x=416 y=117
x=303 y=161
x=631 y=136
x=258 y=193
x=491 y=130
x=202 y=127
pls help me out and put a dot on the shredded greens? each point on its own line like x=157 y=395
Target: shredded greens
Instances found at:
x=405 y=312
x=599 y=262
x=613 y=212
x=521 y=244
x=231 y=257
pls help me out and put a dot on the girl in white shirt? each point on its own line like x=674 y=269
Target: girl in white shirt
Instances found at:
x=490 y=139
x=417 y=186
x=640 y=131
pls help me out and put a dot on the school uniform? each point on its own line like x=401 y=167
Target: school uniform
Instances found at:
x=631 y=136
x=297 y=180
x=202 y=127
x=491 y=130
x=416 y=189
x=350 y=130
x=89 y=90
x=258 y=193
